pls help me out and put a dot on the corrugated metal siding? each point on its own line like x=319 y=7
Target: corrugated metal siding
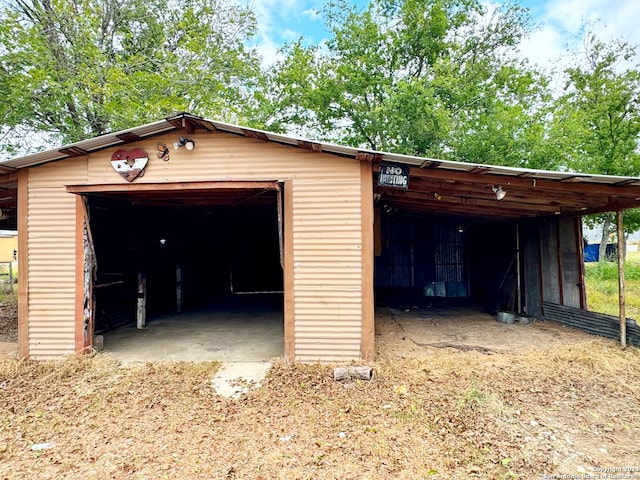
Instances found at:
x=51 y=239
x=327 y=269
x=327 y=234
x=221 y=157
x=592 y=322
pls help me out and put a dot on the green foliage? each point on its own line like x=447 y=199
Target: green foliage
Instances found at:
x=436 y=78
x=79 y=69
x=602 y=286
x=597 y=122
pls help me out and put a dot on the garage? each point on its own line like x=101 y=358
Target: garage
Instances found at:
x=122 y=231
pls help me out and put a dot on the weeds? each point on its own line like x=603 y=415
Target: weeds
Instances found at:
x=602 y=286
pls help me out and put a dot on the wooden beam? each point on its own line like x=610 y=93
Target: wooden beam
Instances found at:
x=141 y=310
x=80 y=276
x=255 y=134
x=537 y=185
x=289 y=298
x=311 y=146
x=367 y=342
x=73 y=151
x=23 y=264
x=178 y=289
x=428 y=200
x=182 y=186
x=369 y=157
x=129 y=137
x=621 y=287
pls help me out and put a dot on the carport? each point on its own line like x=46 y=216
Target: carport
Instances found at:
x=503 y=239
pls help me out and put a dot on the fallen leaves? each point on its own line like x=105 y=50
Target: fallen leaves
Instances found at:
x=434 y=414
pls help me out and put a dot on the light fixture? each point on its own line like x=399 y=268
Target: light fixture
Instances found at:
x=460 y=229
x=184 y=142
x=500 y=193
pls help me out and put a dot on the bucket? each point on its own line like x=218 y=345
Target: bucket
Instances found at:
x=506 y=317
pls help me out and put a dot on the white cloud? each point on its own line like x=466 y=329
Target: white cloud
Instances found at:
x=563 y=21
x=311 y=13
x=281 y=21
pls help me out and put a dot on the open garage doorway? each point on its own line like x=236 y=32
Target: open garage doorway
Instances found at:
x=207 y=262
x=444 y=261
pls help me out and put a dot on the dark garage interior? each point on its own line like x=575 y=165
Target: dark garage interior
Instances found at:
x=205 y=253
x=447 y=260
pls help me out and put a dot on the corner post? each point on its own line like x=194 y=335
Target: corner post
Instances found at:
x=621 y=288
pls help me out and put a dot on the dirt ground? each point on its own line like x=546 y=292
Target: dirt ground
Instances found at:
x=8 y=328
x=455 y=395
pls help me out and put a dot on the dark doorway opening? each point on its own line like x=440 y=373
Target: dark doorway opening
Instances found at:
x=200 y=255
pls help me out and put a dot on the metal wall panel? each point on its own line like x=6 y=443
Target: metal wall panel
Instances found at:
x=327 y=268
x=327 y=234
x=549 y=261
x=570 y=262
x=52 y=269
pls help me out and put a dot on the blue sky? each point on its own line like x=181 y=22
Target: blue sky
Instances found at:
x=559 y=23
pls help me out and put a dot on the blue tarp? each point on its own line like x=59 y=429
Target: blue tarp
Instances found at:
x=591 y=252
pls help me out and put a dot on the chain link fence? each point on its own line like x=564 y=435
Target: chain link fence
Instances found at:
x=8 y=276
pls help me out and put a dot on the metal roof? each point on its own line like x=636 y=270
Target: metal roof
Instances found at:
x=460 y=187
x=192 y=122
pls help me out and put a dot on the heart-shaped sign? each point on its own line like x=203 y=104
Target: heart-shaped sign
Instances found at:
x=130 y=163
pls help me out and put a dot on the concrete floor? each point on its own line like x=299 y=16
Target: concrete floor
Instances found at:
x=245 y=329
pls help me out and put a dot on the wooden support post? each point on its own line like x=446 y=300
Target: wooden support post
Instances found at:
x=141 y=316
x=621 y=289
x=178 y=289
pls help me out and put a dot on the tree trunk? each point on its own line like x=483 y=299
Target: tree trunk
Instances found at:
x=602 y=250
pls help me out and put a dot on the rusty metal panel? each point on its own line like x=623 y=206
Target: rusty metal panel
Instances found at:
x=592 y=322
x=57 y=174
x=327 y=266
x=51 y=240
x=223 y=157
x=326 y=240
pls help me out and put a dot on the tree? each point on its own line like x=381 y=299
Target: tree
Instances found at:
x=597 y=121
x=76 y=69
x=432 y=78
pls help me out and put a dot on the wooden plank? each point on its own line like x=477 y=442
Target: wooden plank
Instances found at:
x=280 y=230
x=531 y=266
x=580 y=245
x=80 y=275
x=141 y=311
x=178 y=289
x=146 y=187
x=23 y=264
x=549 y=261
x=541 y=185
x=377 y=233
x=621 y=289
x=367 y=345
x=289 y=299
x=568 y=258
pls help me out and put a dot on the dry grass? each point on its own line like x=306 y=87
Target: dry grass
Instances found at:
x=427 y=413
